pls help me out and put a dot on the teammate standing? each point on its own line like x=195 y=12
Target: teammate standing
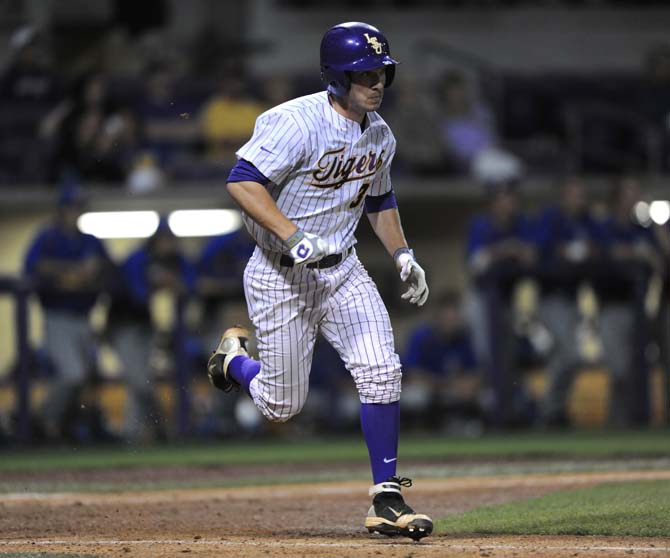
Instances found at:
x=303 y=179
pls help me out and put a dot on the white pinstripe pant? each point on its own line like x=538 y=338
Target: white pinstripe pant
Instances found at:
x=289 y=306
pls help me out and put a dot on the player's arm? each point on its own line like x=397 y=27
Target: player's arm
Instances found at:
x=256 y=202
x=387 y=227
x=246 y=185
x=385 y=220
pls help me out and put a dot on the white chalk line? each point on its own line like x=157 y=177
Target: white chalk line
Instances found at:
x=306 y=544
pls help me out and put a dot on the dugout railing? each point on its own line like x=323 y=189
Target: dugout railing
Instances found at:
x=21 y=375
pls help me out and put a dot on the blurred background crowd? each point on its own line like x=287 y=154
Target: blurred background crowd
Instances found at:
x=532 y=177
x=117 y=100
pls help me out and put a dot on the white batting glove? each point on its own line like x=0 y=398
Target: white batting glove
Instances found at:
x=412 y=274
x=306 y=247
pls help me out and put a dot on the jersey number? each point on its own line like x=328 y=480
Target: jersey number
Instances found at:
x=359 y=197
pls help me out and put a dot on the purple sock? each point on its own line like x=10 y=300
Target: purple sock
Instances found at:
x=244 y=369
x=381 y=426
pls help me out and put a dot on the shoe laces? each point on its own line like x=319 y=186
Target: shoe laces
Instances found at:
x=402 y=481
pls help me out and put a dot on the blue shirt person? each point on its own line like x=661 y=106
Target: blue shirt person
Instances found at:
x=156 y=266
x=629 y=251
x=629 y=257
x=440 y=368
x=501 y=242
x=501 y=250
x=69 y=270
x=221 y=265
x=66 y=265
x=566 y=240
x=219 y=270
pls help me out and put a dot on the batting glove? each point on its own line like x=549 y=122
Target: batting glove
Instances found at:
x=412 y=274
x=305 y=247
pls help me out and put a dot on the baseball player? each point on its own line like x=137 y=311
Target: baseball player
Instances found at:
x=311 y=168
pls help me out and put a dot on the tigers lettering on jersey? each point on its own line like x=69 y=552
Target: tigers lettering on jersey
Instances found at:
x=332 y=165
x=321 y=165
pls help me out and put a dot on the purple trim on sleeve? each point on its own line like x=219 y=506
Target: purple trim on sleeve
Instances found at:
x=375 y=204
x=245 y=171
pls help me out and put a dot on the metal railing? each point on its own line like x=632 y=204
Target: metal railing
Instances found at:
x=21 y=377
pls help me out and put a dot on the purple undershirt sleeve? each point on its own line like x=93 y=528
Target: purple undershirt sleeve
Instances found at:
x=245 y=171
x=375 y=204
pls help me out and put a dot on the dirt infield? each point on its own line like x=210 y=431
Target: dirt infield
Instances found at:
x=315 y=520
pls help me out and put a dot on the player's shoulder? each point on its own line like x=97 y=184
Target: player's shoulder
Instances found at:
x=290 y=109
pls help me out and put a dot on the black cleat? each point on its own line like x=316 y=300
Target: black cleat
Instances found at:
x=389 y=514
x=233 y=343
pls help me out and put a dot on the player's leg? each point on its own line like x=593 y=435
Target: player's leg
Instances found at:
x=132 y=341
x=64 y=337
x=358 y=326
x=561 y=316
x=617 y=323
x=283 y=306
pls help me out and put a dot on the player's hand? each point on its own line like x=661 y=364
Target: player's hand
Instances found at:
x=306 y=247
x=414 y=275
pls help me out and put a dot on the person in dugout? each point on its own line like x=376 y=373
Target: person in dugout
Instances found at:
x=158 y=266
x=67 y=269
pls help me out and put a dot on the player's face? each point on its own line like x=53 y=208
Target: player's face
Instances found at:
x=367 y=89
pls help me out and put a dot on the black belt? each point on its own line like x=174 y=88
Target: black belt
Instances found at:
x=323 y=263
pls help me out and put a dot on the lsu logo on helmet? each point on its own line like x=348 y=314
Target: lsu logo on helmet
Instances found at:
x=374 y=42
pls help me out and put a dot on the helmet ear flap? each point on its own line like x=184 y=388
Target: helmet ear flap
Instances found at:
x=337 y=81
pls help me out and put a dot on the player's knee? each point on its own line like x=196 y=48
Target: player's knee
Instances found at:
x=380 y=388
x=277 y=415
x=282 y=412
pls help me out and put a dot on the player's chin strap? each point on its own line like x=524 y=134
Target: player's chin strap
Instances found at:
x=391 y=485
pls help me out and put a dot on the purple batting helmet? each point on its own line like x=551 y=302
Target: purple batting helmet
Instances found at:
x=353 y=47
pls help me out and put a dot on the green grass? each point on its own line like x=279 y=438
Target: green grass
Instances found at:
x=623 y=509
x=517 y=446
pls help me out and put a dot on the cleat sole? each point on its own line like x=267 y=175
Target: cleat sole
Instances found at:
x=417 y=531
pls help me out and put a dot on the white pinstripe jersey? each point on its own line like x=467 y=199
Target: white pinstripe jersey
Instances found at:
x=321 y=167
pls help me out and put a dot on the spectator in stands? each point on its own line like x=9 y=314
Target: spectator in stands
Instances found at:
x=276 y=89
x=157 y=268
x=500 y=252
x=654 y=96
x=565 y=244
x=171 y=133
x=228 y=119
x=94 y=136
x=68 y=270
x=467 y=126
x=413 y=122
x=440 y=371
x=629 y=257
x=468 y=133
x=29 y=88
x=28 y=77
